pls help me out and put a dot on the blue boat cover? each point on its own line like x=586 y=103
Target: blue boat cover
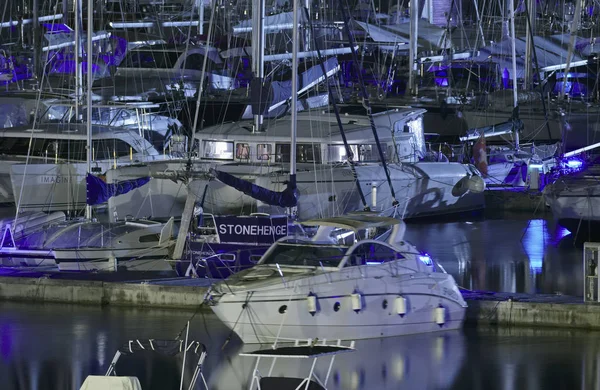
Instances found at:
x=98 y=191
x=285 y=198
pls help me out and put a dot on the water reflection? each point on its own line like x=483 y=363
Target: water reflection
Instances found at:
x=512 y=254
x=413 y=362
x=39 y=352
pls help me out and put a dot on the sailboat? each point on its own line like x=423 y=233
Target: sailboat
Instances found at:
x=397 y=179
x=88 y=244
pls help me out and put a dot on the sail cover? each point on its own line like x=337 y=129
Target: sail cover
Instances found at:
x=98 y=191
x=285 y=198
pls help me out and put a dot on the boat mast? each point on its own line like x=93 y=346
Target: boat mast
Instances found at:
x=90 y=81
x=258 y=54
x=78 y=57
x=528 y=78
x=294 y=97
x=514 y=65
x=412 y=50
x=573 y=31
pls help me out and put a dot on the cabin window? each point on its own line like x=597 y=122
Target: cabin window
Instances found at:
x=372 y=253
x=20 y=146
x=306 y=255
x=305 y=153
x=107 y=149
x=361 y=153
x=263 y=152
x=227 y=257
x=242 y=151
x=99 y=114
x=71 y=150
x=150 y=237
x=195 y=62
x=218 y=150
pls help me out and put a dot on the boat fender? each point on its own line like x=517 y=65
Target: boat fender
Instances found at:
x=311 y=300
x=400 y=305
x=356 y=299
x=440 y=315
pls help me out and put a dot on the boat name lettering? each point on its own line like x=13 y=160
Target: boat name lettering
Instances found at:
x=58 y=179
x=253 y=230
x=259 y=230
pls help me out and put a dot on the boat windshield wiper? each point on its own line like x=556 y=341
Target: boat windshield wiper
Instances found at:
x=281 y=274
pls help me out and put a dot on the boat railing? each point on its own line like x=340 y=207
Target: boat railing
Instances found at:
x=301 y=349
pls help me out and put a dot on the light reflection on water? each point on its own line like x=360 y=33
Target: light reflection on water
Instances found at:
x=513 y=254
x=57 y=346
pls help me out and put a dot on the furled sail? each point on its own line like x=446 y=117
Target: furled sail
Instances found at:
x=98 y=191
x=285 y=198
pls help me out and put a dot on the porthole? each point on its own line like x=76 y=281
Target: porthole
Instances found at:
x=384 y=304
x=282 y=309
x=336 y=306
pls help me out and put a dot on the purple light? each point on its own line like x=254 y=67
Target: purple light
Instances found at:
x=574 y=164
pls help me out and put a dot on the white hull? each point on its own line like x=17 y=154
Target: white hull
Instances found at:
x=263 y=318
x=164 y=197
x=51 y=187
x=105 y=259
x=575 y=201
x=44 y=240
x=422 y=189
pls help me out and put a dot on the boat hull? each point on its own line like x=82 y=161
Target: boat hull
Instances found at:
x=263 y=315
x=421 y=189
x=51 y=187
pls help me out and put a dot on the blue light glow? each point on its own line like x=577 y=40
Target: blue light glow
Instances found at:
x=574 y=164
x=426 y=259
x=534 y=241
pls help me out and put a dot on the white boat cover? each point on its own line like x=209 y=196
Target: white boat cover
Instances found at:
x=96 y=382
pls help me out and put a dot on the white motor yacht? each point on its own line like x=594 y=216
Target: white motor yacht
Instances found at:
x=340 y=284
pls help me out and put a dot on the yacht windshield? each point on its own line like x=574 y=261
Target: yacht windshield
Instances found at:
x=306 y=255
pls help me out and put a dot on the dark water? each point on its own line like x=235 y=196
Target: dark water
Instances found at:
x=509 y=253
x=56 y=346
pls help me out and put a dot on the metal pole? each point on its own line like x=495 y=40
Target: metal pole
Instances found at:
x=201 y=19
x=65 y=11
x=35 y=39
x=573 y=30
x=258 y=51
x=295 y=48
x=90 y=82
x=412 y=53
x=528 y=79
x=187 y=332
x=514 y=63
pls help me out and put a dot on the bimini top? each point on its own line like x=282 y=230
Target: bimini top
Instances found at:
x=354 y=222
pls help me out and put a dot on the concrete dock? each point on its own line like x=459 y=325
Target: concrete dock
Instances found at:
x=504 y=309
